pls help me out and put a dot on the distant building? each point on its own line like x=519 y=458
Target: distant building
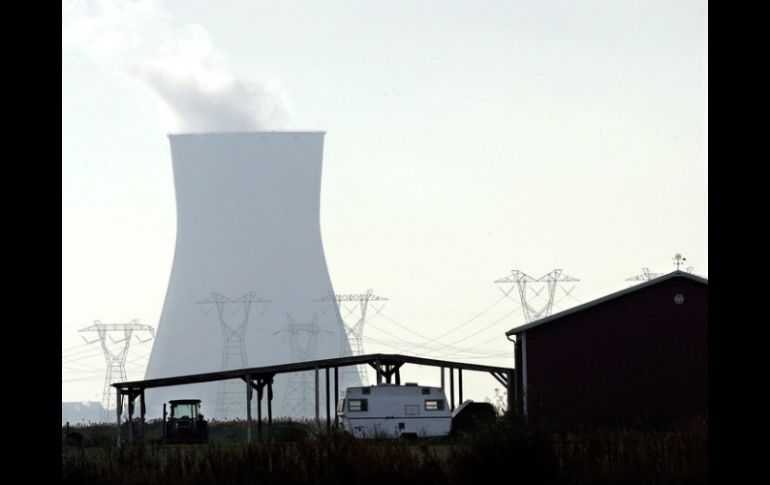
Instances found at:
x=638 y=355
x=81 y=412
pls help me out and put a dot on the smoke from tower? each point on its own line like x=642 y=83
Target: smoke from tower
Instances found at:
x=179 y=63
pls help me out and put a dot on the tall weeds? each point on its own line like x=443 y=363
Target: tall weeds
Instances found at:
x=509 y=452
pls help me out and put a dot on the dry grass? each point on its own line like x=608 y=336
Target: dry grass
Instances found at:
x=509 y=452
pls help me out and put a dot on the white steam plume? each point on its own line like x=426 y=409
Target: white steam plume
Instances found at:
x=179 y=63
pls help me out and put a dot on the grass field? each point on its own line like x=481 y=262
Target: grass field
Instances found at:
x=509 y=452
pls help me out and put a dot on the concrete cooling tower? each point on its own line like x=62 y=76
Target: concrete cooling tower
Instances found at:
x=248 y=271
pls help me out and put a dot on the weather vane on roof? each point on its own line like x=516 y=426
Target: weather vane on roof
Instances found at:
x=679 y=260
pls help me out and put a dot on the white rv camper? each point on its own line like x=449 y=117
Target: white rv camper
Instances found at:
x=390 y=410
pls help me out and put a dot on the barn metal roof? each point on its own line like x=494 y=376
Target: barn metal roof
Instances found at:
x=611 y=296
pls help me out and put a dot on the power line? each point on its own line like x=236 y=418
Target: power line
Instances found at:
x=462 y=324
x=485 y=327
x=91 y=351
x=403 y=326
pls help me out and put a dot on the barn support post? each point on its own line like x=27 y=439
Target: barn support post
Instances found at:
x=460 y=384
x=516 y=375
x=336 y=397
x=511 y=390
x=452 y=388
x=142 y=412
x=270 y=404
x=260 y=393
x=317 y=404
x=398 y=374
x=118 y=410
x=131 y=397
x=164 y=423
x=249 y=393
x=515 y=378
x=379 y=371
x=524 y=397
x=442 y=379
x=328 y=403
x=515 y=393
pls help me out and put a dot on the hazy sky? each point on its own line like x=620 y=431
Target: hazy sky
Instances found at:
x=464 y=139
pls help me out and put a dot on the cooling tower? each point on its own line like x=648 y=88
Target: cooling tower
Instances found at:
x=248 y=271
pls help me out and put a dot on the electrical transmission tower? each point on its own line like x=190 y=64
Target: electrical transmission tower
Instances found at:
x=303 y=346
x=115 y=357
x=551 y=281
x=645 y=276
x=354 y=334
x=230 y=396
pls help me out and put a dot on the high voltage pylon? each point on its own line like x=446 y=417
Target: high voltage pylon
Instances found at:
x=551 y=282
x=116 y=360
x=303 y=346
x=230 y=396
x=354 y=334
x=645 y=276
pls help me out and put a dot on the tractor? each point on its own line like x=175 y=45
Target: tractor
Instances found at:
x=185 y=424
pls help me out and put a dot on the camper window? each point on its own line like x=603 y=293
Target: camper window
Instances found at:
x=358 y=405
x=434 y=405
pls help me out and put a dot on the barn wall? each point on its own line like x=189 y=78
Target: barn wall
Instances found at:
x=640 y=355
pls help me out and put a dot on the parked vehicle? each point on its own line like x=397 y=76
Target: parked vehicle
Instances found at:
x=395 y=411
x=185 y=423
x=471 y=417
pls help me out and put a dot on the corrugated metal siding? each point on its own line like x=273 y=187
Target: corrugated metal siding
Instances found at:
x=638 y=356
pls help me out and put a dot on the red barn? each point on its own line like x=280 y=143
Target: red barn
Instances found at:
x=638 y=355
